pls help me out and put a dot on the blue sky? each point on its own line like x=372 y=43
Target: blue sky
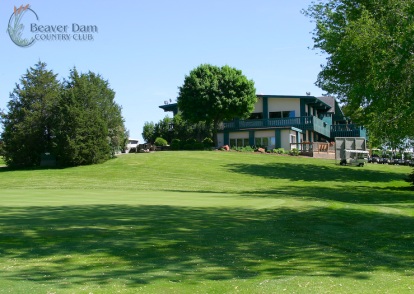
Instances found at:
x=145 y=48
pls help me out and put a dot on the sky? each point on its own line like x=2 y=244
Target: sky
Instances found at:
x=144 y=49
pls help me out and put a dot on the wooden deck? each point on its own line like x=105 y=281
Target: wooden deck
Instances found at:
x=316 y=149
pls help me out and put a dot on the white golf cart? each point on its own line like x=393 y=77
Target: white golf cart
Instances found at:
x=355 y=157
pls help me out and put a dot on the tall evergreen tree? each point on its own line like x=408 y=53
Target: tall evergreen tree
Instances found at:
x=77 y=122
x=29 y=125
x=91 y=126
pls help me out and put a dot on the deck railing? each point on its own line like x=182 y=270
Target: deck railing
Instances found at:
x=303 y=123
x=349 y=130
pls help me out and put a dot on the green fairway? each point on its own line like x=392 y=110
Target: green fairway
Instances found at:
x=207 y=222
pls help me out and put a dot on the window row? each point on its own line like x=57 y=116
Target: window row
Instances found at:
x=258 y=141
x=273 y=114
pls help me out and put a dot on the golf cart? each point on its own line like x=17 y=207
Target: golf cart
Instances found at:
x=355 y=157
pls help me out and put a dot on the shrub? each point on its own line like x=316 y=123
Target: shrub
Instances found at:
x=248 y=149
x=191 y=141
x=208 y=143
x=175 y=144
x=294 y=152
x=279 y=151
x=160 y=142
x=193 y=146
x=198 y=146
x=243 y=149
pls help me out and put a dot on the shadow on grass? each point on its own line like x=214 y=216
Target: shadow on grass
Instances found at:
x=358 y=194
x=145 y=244
x=4 y=169
x=314 y=173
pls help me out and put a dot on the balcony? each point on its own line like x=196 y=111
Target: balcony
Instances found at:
x=350 y=130
x=303 y=123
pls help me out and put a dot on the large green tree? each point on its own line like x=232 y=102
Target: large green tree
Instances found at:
x=77 y=122
x=370 y=61
x=213 y=94
x=30 y=124
x=91 y=127
x=148 y=132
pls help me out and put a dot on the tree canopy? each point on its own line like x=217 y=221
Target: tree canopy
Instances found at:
x=212 y=94
x=29 y=126
x=77 y=122
x=182 y=130
x=370 y=61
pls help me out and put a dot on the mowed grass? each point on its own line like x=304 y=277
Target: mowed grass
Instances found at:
x=207 y=222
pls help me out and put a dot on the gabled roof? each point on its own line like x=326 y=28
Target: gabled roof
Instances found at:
x=330 y=101
x=335 y=107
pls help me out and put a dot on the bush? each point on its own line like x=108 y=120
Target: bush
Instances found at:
x=243 y=149
x=175 y=144
x=208 y=143
x=160 y=142
x=189 y=144
x=279 y=151
x=191 y=141
x=198 y=146
x=294 y=152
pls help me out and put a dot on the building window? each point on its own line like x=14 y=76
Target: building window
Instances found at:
x=281 y=114
x=239 y=142
x=292 y=138
x=265 y=141
x=256 y=115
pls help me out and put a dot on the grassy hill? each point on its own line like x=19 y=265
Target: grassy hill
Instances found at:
x=207 y=222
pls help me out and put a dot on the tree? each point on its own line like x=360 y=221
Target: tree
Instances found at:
x=162 y=129
x=213 y=94
x=181 y=130
x=370 y=46
x=184 y=130
x=29 y=125
x=148 y=132
x=91 y=127
x=77 y=122
x=1 y=149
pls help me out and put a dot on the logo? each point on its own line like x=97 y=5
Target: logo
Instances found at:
x=24 y=29
x=16 y=26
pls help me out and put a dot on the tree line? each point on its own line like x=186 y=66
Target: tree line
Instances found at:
x=76 y=121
